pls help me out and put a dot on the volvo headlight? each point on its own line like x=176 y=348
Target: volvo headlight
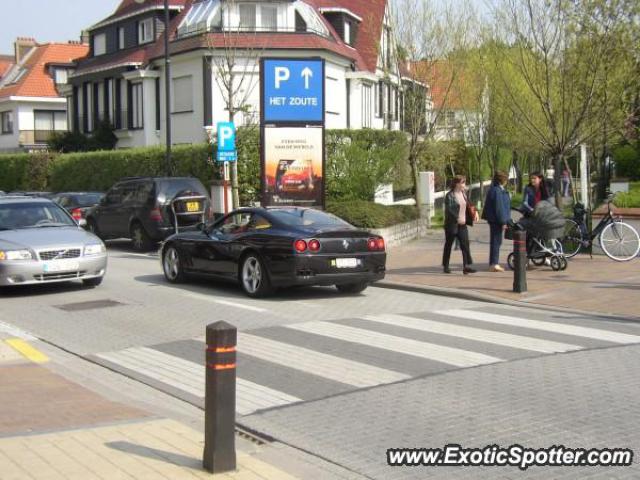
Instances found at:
x=15 y=255
x=96 y=249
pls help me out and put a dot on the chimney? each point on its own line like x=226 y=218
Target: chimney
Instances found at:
x=85 y=37
x=23 y=46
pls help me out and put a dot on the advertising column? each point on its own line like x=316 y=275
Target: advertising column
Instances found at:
x=292 y=132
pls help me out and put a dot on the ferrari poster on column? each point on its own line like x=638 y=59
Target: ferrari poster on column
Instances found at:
x=293 y=166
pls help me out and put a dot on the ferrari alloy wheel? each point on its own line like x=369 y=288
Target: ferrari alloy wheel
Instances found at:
x=253 y=277
x=172 y=266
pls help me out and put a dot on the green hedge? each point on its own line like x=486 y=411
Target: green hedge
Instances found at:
x=357 y=161
x=627 y=158
x=24 y=171
x=365 y=214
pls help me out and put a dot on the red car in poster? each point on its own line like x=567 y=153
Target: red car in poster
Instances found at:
x=294 y=176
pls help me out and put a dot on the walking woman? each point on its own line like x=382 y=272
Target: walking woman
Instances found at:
x=497 y=213
x=457 y=215
x=534 y=193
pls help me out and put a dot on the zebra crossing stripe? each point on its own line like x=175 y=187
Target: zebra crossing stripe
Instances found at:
x=567 y=329
x=470 y=333
x=190 y=377
x=430 y=351
x=321 y=364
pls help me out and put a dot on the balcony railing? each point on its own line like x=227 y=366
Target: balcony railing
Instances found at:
x=201 y=28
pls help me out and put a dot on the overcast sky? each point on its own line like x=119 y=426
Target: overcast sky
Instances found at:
x=49 y=20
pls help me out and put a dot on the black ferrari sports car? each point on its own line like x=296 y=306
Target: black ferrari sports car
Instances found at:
x=267 y=248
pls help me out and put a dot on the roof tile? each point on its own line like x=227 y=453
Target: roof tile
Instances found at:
x=37 y=82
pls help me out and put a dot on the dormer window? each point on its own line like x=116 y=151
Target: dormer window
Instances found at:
x=121 y=38
x=347 y=33
x=145 y=31
x=99 y=44
x=247 y=16
x=60 y=75
x=269 y=17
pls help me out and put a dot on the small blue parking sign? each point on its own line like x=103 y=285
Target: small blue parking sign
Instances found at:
x=293 y=90
x=226 y=142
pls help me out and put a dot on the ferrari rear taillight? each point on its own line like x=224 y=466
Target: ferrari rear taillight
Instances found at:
x=300 y=246
x=314 y=245
x=375 y=244
x=76 y=213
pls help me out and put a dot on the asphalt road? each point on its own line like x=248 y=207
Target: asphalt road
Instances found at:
x=346 y=377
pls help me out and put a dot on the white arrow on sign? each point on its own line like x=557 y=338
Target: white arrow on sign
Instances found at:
x=307 y=74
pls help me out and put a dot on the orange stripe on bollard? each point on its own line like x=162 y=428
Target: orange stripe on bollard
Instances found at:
x=221 y=349
x=221 y=366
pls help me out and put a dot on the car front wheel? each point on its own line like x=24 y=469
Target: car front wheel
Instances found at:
x=253 y=277
x=172 y=265
x=352 y=287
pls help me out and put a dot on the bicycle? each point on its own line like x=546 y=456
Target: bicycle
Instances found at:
x=618 y=240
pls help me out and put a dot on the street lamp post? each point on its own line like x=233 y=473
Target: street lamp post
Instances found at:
x=167 y=88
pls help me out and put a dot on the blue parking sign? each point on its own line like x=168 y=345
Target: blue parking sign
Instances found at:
x=293 y=90
x=226 y=142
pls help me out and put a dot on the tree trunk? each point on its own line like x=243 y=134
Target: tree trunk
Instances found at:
x=557 y=179
x=518 y=168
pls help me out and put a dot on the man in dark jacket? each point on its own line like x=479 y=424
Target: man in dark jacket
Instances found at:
x=497 y=212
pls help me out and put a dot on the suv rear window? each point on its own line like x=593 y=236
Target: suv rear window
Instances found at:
x=171 y=188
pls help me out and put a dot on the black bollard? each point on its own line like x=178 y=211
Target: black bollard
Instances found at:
x=220 y=398
x=519 y=261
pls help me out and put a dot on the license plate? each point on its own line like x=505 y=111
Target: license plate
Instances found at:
x=61 y=266
x=346 y=262
x=193 y=206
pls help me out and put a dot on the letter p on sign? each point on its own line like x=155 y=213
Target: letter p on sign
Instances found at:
x=281 y=74
x=226 y=136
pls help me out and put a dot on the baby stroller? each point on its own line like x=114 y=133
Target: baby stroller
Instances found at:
x=544 y=226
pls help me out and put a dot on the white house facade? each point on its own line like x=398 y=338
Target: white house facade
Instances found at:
x=122 y=78
x=32 y=107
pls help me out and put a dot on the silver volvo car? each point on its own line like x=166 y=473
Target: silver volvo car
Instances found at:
x=41 y=243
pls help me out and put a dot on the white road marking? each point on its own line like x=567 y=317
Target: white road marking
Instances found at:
x=567 y=329
x=190 y=377
x=470 y=333
x=209 y=298
x=321 y=364
x=430 y=351
x=15 y=331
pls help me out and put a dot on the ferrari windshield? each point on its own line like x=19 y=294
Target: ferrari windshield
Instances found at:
x=29 y=215
x=307 y=217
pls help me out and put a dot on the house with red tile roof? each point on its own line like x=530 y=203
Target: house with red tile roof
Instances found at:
x=457 y=100
x=122 y=79
x=31 y=105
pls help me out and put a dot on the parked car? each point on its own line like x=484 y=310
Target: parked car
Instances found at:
x=24 y=193
x=77 y=203
x=41 y=243
x=149 y=209
x=265 y=248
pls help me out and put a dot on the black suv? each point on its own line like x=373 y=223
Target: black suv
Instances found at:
x=146 y=209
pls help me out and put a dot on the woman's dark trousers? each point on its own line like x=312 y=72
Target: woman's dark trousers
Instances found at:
x=495 y=230
x=463 y=237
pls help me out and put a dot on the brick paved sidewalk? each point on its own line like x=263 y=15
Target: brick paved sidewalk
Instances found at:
x=597 y=285
x=52 y=428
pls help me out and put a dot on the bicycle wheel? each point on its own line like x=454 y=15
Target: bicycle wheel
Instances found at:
x=620 y=241
x=572 y=239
